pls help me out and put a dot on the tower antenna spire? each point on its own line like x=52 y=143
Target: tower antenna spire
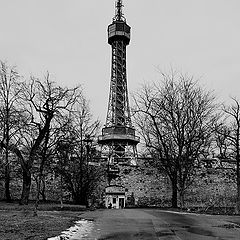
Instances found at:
x=119 y=14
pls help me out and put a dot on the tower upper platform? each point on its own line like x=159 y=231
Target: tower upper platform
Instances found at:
x=118 y=133
x=119 y=30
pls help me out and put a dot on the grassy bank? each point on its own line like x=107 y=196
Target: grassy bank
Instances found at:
x=19 y=222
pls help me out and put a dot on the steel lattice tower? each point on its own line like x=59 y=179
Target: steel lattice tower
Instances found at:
x=118 y=138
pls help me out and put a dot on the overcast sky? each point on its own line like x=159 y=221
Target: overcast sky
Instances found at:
x=68 y=38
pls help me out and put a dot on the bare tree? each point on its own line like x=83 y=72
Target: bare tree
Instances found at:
x=9 y=115
x=175 y=118
x=76 y=150
x=43 y=101
x=233 y=136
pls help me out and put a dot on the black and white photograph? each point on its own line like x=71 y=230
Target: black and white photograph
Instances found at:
x=119 y=120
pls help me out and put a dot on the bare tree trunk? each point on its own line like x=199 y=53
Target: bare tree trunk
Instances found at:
x=174 y=192
x=43 y=189
x=26 y=187
x=181 y=192
x=7 y=183
x=37 y=197
x=40 y=175
x=182 y=200
x=39 y=180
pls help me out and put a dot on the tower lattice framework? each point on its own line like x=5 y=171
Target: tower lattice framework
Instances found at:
x=118 y=139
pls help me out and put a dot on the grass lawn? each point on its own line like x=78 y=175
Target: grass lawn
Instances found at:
x=18 y=222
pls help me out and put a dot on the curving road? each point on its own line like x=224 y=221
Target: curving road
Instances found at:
x=153 y=224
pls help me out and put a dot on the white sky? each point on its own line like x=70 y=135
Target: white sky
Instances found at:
x=68 y=38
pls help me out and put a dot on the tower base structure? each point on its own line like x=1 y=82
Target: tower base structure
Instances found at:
x=119 y=143
x=118 y=146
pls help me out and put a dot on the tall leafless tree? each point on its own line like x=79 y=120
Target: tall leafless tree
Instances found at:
x=43 y=101
x=232 y=124
x=175 y=118
x=75 y=151
x=9 y=93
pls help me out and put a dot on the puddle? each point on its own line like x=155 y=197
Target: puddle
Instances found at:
x=81 y=229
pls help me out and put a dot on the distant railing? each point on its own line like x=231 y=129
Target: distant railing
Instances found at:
x=118 y=137
x=118 y=130
x=118 y=133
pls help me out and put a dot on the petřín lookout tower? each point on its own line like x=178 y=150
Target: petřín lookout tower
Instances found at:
x=118 y=138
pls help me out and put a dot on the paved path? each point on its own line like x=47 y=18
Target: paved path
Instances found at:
x=137 y=224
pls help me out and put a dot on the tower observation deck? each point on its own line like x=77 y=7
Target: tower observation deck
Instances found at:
x=118 y=139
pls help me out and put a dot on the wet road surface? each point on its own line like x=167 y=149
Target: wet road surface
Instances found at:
x=152 y=224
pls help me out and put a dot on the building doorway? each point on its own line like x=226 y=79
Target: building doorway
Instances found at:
x=121 y=203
